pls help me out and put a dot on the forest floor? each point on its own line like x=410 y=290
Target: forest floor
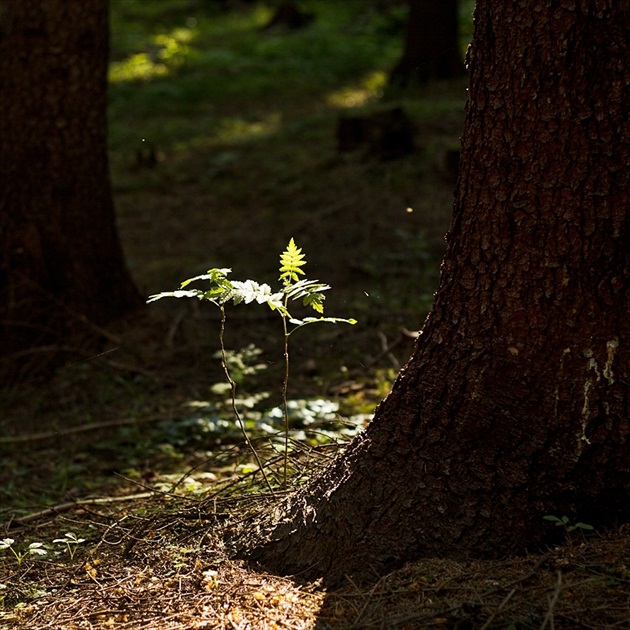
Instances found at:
x=128 y=466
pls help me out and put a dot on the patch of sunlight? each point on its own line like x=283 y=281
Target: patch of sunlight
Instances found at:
x=240 y=129
x=370 y=87
x=165 y=53
x=240 y=21
x=231 y=130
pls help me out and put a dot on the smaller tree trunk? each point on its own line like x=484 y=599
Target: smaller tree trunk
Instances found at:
x=61 y=263
x=431 y=44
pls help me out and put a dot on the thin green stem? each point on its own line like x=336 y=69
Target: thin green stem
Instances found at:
x=235 y=410
x=285 y=402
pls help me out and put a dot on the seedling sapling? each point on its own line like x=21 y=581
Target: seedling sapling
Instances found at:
x=34 y=549
x=222 y=291
x=71 y=542
x=569 y=527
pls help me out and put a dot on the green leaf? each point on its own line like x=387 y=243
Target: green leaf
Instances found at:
x=176 y=294
x=304 y=287
x=314 y=320
x=214 y=276
x=250 y=291
x=315 y=301
x=219 y=294
x=35 y=549
x=310 y=291
x=291 y=261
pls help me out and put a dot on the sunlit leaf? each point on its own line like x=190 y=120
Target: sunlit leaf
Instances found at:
x=291 y=261
x=213 y=275
x=175 y=294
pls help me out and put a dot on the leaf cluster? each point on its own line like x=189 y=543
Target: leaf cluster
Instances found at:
x=223 y=290
x=566 y=523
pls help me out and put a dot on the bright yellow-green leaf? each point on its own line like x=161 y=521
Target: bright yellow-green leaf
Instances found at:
x=291 y=260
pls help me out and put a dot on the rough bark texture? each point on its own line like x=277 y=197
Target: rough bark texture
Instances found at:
x=431 y=43
x=514 y=404
x=60 y=258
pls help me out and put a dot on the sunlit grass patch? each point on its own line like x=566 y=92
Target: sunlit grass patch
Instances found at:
x=165 y=53
x=239 y=21
x=368 y=89
x=237 y=128
x=226 y=130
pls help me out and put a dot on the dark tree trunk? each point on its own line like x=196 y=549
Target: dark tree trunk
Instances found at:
x=514 y=404
x=60 y=258
x=431 y=44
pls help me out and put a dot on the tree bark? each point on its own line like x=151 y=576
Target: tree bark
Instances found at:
x=61 y=262
x=514 y=404
x=431 y=48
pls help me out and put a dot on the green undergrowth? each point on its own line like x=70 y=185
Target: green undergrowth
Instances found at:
x=222 y=139
x=224 y=133
x=222 y=144
x=185 y=445
x=191 y=79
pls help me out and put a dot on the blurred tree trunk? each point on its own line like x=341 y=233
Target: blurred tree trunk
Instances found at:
x=515 y=403
x=61 y=262
x=431 y=43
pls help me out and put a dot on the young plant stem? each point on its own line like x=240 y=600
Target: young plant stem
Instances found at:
x=222 y=291
x=285 y=402
x=235 y=410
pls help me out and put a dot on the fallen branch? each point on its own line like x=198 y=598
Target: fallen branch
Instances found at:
x=92 y=426
x=66 y=507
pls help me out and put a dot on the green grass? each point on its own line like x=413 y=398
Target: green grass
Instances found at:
x=182 y=78
x=244 y=120
x=200 y=68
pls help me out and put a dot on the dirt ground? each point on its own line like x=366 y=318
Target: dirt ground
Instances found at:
x=97 y=452
x=123 y=464
x=156 y=562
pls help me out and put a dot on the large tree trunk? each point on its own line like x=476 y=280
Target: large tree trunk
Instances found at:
x=514 y=404
x=431 y=43
x=60 y=258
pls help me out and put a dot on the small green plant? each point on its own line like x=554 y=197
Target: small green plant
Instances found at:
x=34 y=549
x=71 y=542
x=566 y=523
x=222 y=291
